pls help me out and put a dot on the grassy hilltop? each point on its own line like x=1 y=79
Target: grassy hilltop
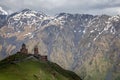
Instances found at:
x=21 y=67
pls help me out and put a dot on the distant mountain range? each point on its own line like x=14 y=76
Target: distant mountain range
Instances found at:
x=86 y=44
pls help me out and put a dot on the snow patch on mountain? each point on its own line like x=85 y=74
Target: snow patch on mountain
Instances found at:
x=3 y=12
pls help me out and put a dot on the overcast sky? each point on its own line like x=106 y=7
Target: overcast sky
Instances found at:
x=52 y=7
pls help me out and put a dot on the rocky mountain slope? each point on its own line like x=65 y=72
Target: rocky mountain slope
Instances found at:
x=86 y=44
x=24 y=67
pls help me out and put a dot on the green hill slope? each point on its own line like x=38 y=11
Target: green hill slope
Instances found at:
x=23 y=67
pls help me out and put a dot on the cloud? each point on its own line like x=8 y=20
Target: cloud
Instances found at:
x=52 y=7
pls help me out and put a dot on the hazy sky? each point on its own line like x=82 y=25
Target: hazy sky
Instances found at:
x=52 y=7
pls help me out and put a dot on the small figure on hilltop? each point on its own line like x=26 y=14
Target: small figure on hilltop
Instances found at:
x=36 y=52
x=23 y=49
x=37 y=55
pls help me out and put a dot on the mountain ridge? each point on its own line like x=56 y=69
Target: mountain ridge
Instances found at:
x=85 y=44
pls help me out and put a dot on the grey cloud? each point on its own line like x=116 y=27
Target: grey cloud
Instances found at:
x=52 y=7
x=110 y=4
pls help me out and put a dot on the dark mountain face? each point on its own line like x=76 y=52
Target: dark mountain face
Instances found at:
x=3 y=17
x=85 y=44
x=2 y=20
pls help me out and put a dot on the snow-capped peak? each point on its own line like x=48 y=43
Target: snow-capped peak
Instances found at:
x=27 y=13
x=27 y=17
x=24 y=10
x=3 y=12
